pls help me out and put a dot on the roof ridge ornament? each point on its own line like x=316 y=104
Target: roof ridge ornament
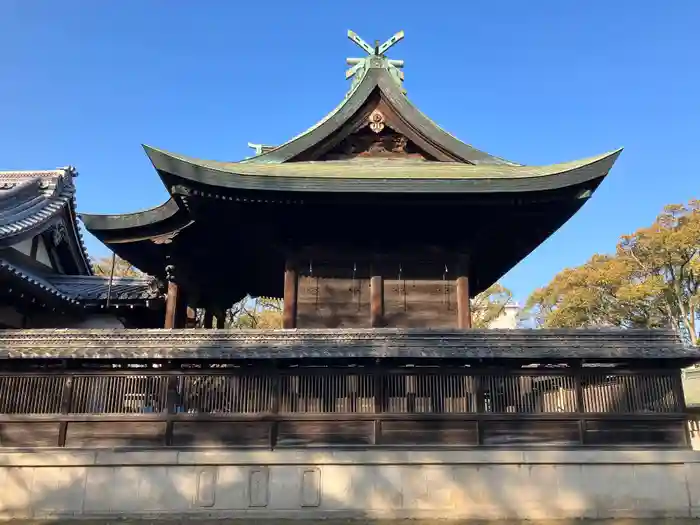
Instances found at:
x=376 y=58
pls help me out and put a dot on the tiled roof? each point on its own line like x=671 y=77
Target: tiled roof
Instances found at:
x=36 y=282
x=32 y=201
x=529 y=346
x=86 y=290
x=93 y=288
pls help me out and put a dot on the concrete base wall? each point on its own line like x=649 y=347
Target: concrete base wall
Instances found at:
x=371 y=485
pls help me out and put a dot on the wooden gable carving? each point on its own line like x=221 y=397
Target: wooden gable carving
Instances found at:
x=366 y=143
x=375 y=131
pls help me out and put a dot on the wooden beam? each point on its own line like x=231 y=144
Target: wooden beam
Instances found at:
x=35 y=247
x=376 y=301
x=221 y=320
x=464 y=313
x=291 y=288
x=171 y=304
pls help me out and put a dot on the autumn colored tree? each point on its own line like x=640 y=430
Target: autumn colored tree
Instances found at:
x=261 y=312
x=489 y=305
x=652 y=280
x=122 y=268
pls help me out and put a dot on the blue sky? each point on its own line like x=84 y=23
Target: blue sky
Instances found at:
x=541 y=81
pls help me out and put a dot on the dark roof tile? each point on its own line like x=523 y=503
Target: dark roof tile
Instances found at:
x=95 y=288
x=530 y=345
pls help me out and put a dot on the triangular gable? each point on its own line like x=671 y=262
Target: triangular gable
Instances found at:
x=40 y=204
x=377 y=90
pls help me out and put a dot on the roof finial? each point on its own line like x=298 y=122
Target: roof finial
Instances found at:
x=376 y=58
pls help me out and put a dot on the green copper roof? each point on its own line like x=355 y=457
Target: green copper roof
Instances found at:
x=379 y=175
x=388 y=169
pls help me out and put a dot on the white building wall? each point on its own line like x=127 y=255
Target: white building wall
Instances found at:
x=42 y=254
x=508 y=319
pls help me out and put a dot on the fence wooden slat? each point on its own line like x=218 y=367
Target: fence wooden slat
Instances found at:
x=373 y=405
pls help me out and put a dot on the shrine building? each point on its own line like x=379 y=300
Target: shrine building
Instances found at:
x=373 y=217
x=377 y=399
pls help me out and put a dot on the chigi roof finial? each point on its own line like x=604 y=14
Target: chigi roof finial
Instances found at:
x=375 y=58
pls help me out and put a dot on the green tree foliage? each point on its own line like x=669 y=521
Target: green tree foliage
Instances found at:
x=260 y=312
x=652 y=280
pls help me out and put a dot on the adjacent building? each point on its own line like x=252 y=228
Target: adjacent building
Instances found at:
x=46 y=278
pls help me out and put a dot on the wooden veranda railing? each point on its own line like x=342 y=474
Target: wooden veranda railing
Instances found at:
x=348 y=407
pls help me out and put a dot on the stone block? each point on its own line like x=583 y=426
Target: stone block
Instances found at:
x=157 y=493
x=98 y=489
x=310 y=487
x=489 y=491
x=124 y=492
x=125 y=458
x=53 y=458
x=285 y=487
x=16 y=491
x=338 y=487
x=231 y=488
x=611 y=489
x=427 y=487
x=660 y=490
x=385 y=488
x=258 y=487
x=58 y=490
x=206 y=487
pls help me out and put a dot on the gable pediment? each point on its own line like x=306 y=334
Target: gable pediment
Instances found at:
x=376 y=140
x=377 y=131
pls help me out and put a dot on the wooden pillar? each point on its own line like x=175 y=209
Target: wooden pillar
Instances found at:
x=175 y=302
x=464 y=313
x=376 y=301
x=208 y=318
x=291 y=286
x=181 y=310
x=221 y=320
x=172 y=301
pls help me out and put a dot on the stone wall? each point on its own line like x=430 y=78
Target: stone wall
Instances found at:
x=372 y=485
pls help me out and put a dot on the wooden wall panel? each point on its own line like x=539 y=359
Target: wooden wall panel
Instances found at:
x=44 y=434
x=671 y=432
x=305 y=433
x=216 y=433
x=429 y=432
x=412 y=303
x=530 y=432
x=326 y=302
x=107 y=434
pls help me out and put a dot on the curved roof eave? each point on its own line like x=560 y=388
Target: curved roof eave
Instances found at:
x=376 y=78
x=27 y=209
x=389 y=177
x=169 y=211
x=32 y=201
x=36 y=282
